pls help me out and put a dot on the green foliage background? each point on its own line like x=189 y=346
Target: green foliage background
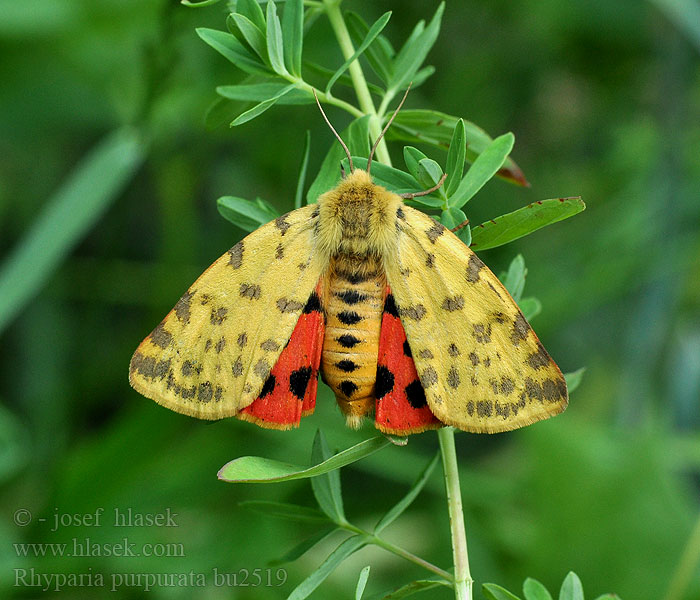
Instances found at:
x=604 y=99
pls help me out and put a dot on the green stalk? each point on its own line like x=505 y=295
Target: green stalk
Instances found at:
x=463 y=580
x=335 y=16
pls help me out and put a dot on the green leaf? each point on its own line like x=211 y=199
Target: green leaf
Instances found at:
x=200 y=4
x=356 y=134
x=524 y=221
x=246 y=214
x=306 y=587
x=453 y=218
x=396 y=440
x=437 y=129
x=410 y=589
x=228 y=46
x=685 y=14
x=282 y=510
x=379 y=54
x=608 y=597
x=345 y=79
x=534 y=590
x=412 y=157
x=303 y=547
x=429 y=174
x=571 y=588
x=573 y=379
x=251 y=34
x=421 y=76
x=530 y=307
x=492 y=591
x=514 y=279
x=326 y=487
x=393 y=179
x=374 y=31
x=301 y=180
x=67 y=216
x=362 y=583
x=412 y=494
x=413 y=53
x=252 y=10
x=258 y=109
x=484 y=168
x=255 y=469
x=456 y=155
x=275 y=44
x=293 y=35
x=259 y=92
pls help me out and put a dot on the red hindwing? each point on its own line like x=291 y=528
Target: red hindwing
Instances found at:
x=401 y=405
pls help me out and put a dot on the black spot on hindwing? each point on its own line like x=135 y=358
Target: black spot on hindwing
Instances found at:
x=299 y=381
x=384 y=383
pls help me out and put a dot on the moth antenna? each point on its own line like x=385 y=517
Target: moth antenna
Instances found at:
x=342 y=170
x=381 y=135
x=426 y=192
x=342 y=143
x=460 y=226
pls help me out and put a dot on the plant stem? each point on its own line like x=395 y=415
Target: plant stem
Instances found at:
x=335 y=16
x=463 y=579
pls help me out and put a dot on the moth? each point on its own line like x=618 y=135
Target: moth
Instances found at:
x=396 y=313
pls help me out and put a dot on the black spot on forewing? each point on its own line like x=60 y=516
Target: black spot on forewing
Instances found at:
x=349 y=317
x=473 y=267
x=507 y=386
x=407 y=349
x=270 y=345
x=533 y=389
x=552 y=390
x=452 y=304
x=268 y=387
x=390 y=306
x=313 y=304
x=484 y=408
x=250 y=290
x=453 y=378
x=435 y=232
x=348 y=387
x=299 y=381
x=242 y=340
x=415 y=394
x=262 y=368
x=220 y=345
x=430 y=261
x=285 y=305
x=237 y=367
x=281 y=224
x=416 y=312
x=538 y=359
x=182 y=308
x=452 y=350
x=217 y=316
x=482 y=333
x=400 y=214
x=384 y=383
x=347 y=340
x=428 y=377
x=236 y=256
x=161 y=337
x=520 y=329
x=426 y=354
x=205 y=392
x=474 y=358
x=347 y=365
x=279 y=252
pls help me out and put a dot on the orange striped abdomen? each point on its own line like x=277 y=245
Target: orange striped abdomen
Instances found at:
x=354 y=300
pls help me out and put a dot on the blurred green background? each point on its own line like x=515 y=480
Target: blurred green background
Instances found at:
x=604 y=100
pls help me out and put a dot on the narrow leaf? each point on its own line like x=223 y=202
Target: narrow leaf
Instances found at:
x=456 y=155
x=608 y=597
x=258 y=109
x=414 y=51
x=530 y=307
x=412 y=494
x=252 y=10
x=66 y=217
x=429 y=174
x=329 y=174
x=396 y=440
x=345 y=79
x=454 y=218
x=412 y=157
x=255 y=469
x=524 y=221
x=573 y=379
x=534 y=590
x=259 y=92
x=303 y=547
x=251 y=34
x=393 y=179
x=514 y=279
x=246 y=214
x=228 y=46
x=374 y=31
x=484 y=168
x=571 y=588
x=275 y=44
x=421 y=76
x=293 y=35
x=306 y=587
x=436 y=128
x=301 y=180
x=200 y=4
x=379 y=54
x=282 y=510
x=326 y=487
x=492 y=591
x=362 y=583
x=410 y=589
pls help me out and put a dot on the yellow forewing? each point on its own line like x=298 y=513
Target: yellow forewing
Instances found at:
x=479 y=361
x=212 y=353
